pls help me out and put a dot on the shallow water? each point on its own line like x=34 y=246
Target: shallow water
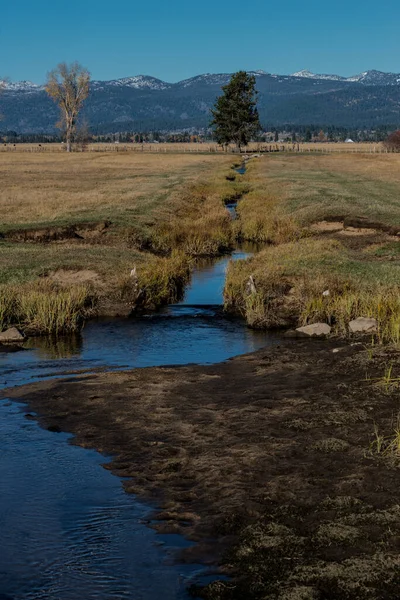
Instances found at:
x=67 y=529
x=193 y=331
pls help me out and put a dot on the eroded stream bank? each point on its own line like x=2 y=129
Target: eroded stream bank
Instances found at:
x=67 y=526
x=270 y=455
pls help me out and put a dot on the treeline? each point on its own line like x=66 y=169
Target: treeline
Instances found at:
x=271 y=133
x=326 y=133
x=12 y=137
x=125 y=137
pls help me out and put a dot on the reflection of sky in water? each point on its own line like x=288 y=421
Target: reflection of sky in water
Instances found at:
x=68 y=531
x=194 y=331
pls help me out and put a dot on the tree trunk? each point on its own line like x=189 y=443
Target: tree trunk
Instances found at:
x=68 y=140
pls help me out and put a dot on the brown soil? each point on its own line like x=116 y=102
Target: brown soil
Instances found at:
x=353 y=226
x=327 y=226
x=83 y=231
x=268 y=454
x=358 y=231
x=357 y=234
x=66 y=278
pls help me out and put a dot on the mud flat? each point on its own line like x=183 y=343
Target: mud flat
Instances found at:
x=270 y=461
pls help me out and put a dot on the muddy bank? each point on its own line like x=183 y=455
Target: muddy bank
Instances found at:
x=270 y=453
x=42 y=235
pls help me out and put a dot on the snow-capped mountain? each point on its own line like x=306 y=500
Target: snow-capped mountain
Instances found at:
x=138 y=82
x=146 y=82
x=143 y=103
x=309 y=75
x=21 y=86
x=206 y=79
x=376 y=78
x=367 y=77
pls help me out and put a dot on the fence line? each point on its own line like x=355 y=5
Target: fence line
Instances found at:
x=204 y=148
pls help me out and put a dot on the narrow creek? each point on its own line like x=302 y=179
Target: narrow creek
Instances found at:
x=68 y=531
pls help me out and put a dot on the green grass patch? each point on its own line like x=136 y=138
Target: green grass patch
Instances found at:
x=290 y=280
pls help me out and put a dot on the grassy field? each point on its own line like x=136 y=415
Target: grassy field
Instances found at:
x=89 y=219
x=327 y=222
x=286 y=459
x=202 y=147
x=51 y=190
x=332 y=224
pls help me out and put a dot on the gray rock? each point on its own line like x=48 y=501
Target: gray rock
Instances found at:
x=315 y=330
x=11 y=335
x=363 y=325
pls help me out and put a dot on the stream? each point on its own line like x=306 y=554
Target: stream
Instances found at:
x=68 y=531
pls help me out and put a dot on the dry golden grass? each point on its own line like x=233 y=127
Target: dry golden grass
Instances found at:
x=203 y=147
x=290 y=279
x=51 y=189
x=288 y=194
x=154 y=203
x=330 y=147
x=301 y=189
x=44 y=308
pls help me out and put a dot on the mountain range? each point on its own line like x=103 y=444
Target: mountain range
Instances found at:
x=142 y=102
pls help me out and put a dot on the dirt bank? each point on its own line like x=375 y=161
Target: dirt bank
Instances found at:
x=271 y=455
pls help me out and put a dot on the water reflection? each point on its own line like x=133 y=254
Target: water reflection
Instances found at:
x=68 y=531
x=56 y=347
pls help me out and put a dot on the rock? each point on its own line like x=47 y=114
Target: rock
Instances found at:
x=291 y=333
x=363 y=325
x=11 y=335
x=315 y=330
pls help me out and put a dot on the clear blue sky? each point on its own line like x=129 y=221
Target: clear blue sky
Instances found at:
x=175 y=39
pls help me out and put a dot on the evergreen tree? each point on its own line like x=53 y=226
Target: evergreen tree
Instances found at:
x=235 y=113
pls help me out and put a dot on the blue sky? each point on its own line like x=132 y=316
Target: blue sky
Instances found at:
x=175 y=39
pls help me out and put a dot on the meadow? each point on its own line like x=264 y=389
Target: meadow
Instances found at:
x=243 y=447
x=329 y=223
x=207 y=147
x=87 y=220
x=82 y=223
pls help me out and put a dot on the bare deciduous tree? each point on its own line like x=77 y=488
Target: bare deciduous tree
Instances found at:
x=68 y=85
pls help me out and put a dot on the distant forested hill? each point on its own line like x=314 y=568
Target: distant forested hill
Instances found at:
x=144 y=103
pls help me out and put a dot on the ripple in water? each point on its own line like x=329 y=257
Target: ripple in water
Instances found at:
x=68 y=531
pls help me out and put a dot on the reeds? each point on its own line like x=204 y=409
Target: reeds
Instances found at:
x=379 y=302
x=163 y=280
x=43 y=307
x=290 y=281
x=203 y=226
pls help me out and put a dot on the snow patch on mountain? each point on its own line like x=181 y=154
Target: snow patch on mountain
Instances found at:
x=215 y=78
x=374 y=77
x=371 y=77
x=148 y=83
x=138 y=82
x=207 y=78
x=21 y=86
x=309 y=75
